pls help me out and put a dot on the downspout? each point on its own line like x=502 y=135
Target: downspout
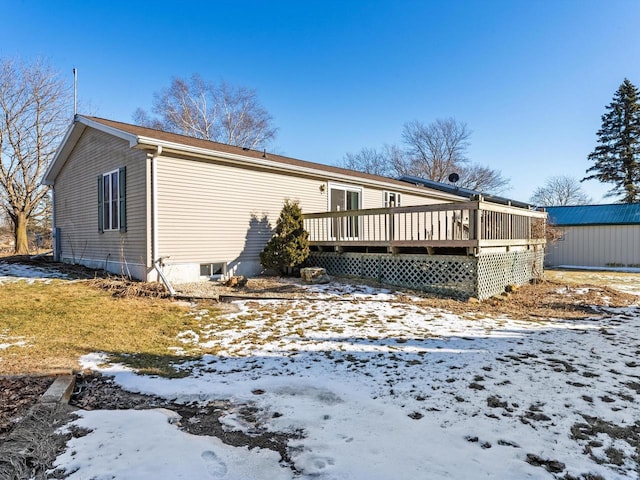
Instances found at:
x=54 y=232
x=155 y=252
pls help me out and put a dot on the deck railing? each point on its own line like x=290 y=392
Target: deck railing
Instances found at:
x=471 y=224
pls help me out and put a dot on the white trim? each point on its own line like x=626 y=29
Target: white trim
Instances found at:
x=63 y=150
x=72 y=135
x=143 y=142
x=345 y=187
x=265 y=163
x=385 y=198
x=116 y=132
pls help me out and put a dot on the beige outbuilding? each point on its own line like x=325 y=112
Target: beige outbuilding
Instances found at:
x=595 y=236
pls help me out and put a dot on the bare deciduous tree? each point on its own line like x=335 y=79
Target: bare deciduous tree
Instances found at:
x=432 y=151
x=435 y=150
x=482 y=179
x=560 y=190
x=34 y=109
x=374 y=161
x=221 y=113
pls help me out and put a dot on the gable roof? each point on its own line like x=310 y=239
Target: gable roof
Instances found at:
x=150 y=139
x=612 y=214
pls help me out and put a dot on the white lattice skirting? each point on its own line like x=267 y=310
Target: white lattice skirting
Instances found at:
x=451 y=275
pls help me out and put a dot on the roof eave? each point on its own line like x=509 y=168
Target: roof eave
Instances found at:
x=152 y=143
x=71 y=137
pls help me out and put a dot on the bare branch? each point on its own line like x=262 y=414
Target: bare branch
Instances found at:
x=200 y=109
x=560 y=191
x=34 y=113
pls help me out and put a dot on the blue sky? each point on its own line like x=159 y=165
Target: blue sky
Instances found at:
x=530 y=78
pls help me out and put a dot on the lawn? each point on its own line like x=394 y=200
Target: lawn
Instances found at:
x=368 y=383
x=47 y=326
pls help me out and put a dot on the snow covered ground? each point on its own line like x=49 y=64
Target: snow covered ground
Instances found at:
x=383 y=389
x=380 y=388
x=15 y=272
x=623 y=279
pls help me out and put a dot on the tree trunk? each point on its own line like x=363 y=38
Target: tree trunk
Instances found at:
x=20 y=233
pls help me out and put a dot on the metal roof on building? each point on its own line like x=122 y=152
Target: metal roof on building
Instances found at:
x=613 y=214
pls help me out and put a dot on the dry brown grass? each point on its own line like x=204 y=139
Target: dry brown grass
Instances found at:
x=62 y=321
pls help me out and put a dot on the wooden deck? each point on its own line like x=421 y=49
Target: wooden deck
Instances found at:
x=473 y=225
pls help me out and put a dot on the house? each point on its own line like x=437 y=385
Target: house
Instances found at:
x=145 y=203
x=595 y=235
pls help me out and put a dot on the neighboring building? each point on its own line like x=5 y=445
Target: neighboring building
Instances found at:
x=595 y=235
x=137 y=201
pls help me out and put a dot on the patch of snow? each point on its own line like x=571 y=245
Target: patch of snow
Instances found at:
x=604 y=269
x=14 y=272
x=115 y=449
x=19 y=343
x=9 y=341
x=387 y=390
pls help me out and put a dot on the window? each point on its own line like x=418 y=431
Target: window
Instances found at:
x=111 y=201
x=213 y=270
x=391 y=199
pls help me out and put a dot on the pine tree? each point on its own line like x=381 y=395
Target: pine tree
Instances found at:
x=617 y=157
x=289 y=247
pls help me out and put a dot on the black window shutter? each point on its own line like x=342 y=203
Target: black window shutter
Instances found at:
x=122 y=185
x=100 y=205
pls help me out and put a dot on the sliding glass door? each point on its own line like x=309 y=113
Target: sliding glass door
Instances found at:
x=343 y=198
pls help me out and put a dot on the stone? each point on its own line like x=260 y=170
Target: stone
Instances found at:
x=237 y=281
x=60 y=390
x=314 y=275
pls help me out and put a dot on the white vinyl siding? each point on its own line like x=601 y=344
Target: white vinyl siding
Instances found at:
x=77 y=205
x=596 y=246
x=209 y=211
x=212 y=212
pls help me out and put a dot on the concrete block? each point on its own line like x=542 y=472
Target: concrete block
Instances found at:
x=60 y=390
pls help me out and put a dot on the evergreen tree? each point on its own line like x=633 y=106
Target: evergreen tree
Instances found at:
x=289 y=247
x=617 y=157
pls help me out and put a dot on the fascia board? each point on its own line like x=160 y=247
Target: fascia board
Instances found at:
x=68 y=142
x=71 y=138
x=129 y=137
x=271 y=165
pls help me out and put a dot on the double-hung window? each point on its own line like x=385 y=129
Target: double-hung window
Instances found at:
x=111 y=201
x=391 y=199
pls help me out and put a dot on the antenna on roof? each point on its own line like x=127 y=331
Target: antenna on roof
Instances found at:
x=75 y=92
x=264 y=154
